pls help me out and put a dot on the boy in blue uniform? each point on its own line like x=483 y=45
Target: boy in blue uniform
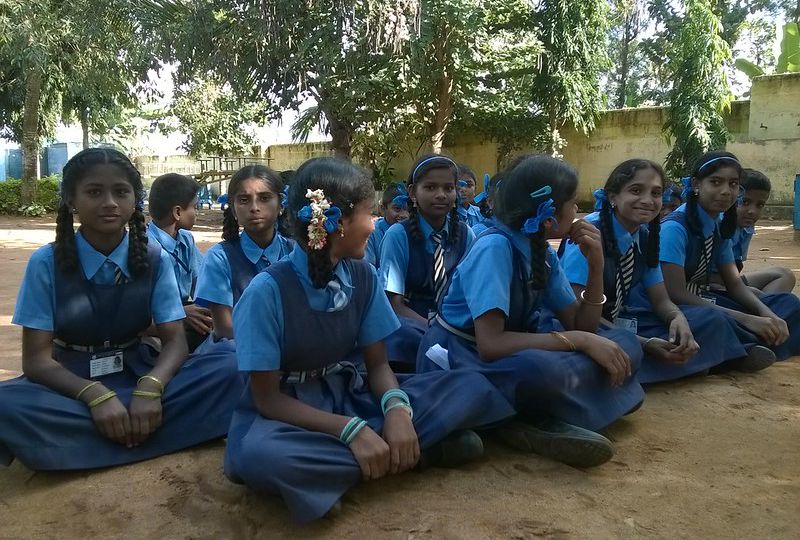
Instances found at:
x=173 y=213
x=467 y=211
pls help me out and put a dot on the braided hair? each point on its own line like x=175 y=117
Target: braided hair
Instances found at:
x=76 y=169
x=622 y=174
x=706 y=165
x=344 y=185
x=230 y=226
x=421 y=167
x=513 y=204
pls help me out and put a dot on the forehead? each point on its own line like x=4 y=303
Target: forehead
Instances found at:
x=648 y=177
x=254 y=185
x=104 y=174
x=439 y=175
x=756 y=194
x=467 y=179
x=727 y=172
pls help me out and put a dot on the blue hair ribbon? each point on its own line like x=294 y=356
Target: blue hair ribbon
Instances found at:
x=485 y=193
x=428 y=160
x=545 y=211
x=402 y=199
x=285 y=196
x=599 y=198
x=140 y=205
x=332 y=214
x=687 y=187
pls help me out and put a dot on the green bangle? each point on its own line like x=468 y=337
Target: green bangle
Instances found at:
x=348 y=428
x=355 y=431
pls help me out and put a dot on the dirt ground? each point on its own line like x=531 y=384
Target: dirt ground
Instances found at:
x=713 y=457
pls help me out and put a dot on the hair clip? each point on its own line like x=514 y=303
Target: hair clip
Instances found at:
x=541 y=192
x=485 y=193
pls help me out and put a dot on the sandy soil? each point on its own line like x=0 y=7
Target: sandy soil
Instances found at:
x=713 y=457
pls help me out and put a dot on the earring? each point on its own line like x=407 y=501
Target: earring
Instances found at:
x=613 y=205
x=341 y=232
x=696 y=191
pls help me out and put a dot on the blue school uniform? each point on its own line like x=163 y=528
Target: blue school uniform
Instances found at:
x=184 y=255
x=682 y=247
x=407 y=269
x=46 y=430
x=481 y=226
x=470 y=215
x=312 y=470
x=715 y=332
x=568 y=386
x=373 y=252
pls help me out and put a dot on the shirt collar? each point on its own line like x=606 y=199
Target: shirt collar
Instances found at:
x=707 y=223
x=623 y=237
x=299 y=260
x=427 y=230
x=91 y=259
x=254 y=252
x=382 y=225
x=162 y=237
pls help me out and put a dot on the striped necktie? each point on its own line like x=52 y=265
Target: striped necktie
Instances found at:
x=119 y=276
x=438 y=267
x=624 y=278
x=701 y=273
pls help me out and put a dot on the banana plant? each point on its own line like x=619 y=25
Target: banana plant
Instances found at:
x=788 y=59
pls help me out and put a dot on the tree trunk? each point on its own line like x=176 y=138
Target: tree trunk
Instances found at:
x=340 y=130
x=30 y=136
x=444 y=95
x=85 y=127
x=624 y=68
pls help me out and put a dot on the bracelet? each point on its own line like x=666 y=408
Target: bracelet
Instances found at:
x=647 y=342
x=394 y=393
x=154 y=379
x=565 y=340
x=98 y=400
x=399 y=404
x=85 y=388
x=146 y=394
x=585 y=301
x=351 y=429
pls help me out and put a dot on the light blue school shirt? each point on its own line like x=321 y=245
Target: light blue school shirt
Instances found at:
x=482 y=280
x=470 y=215
x=675 y=239
x=740 y=243
x=186 y=258
x=36 y=301
x=481 y=226
x=214 y=283
x=394 y=253
x=373 y=253
x=576 y=267
x=258 y=316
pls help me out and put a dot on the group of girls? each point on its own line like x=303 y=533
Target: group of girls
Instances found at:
x=297 y=340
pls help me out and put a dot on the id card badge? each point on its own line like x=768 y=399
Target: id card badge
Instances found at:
x=712 y=299
x=105 y=363
x=627 y=323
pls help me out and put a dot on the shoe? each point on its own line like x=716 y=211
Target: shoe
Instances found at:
x=558 y=440
x=455 y=450
x=758 y=358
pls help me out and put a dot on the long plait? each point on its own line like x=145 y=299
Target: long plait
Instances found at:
x=230 y=227
x=728 y=226
x=653 y=243
x=610 y=247
x=692 y=217
x=138 y=262
x=454 y=230
x=413 y=222
x=320 y=267
x=66 y=251
x=538 y=245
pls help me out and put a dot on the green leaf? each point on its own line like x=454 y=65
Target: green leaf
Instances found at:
x=748 y=68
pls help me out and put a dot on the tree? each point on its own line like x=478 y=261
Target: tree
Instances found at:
x=701 y=93
x=627 y=23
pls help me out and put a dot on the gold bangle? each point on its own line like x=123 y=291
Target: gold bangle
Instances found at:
x=146 y=394
x=98 y=400
x=85 y=388
x=585 y=301
x=154 y=379
x=566 y=340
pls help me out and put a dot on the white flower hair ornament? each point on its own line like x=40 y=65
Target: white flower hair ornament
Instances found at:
x=322 y=218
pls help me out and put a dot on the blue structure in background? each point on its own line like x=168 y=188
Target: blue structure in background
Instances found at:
x=52 y=160
x=796 y=213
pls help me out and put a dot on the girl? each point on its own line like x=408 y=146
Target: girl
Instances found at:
x=629 y=222
x=755 y=193
x=487 y=321
x=418 y=255
x=467 y=212
x=672 y=199
x=486 y=201
x=394 y=205
x=92 y=395
x=255 y=194
x=693 y=239
x=309 y=426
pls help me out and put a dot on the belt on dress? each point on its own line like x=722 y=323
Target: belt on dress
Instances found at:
x=453 y=330
x=298 y=377
x=94 y=348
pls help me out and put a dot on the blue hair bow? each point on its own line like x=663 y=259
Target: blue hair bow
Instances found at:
x=485 y=193
x=402 y=199
x=332 y=214
x=599 y=198
x=140 y=205
x=285 y=196
x=546 y=210
x=687 y=187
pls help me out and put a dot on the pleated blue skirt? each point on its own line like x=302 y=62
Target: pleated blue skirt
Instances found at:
x=312 y=470
x=46 y=430
x=568 y=386
x=403 y=344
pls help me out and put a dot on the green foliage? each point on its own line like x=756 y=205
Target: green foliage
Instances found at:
x=701 y=92
x=46 y=197
x=215 y=122
x=789 y=59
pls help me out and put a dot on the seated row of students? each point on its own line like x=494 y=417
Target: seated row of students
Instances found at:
x=540 y=353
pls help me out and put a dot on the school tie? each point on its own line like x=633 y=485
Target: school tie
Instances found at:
x=340 y=300
x=119 y=276
x=263 y=263
x=438 y=267
x=624 y=279
x=694 y=283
